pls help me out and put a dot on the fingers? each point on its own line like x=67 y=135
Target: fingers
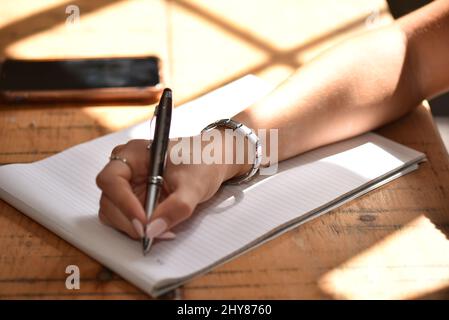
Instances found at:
x=118 y=189
x=136 y=153
x=116 y=178
x=111 y=215
x=123 y=185
x=177 y=207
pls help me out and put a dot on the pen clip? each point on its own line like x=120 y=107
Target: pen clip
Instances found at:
x=152 y=123
x=156 y=109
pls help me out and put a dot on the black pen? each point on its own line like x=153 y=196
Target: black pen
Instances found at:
x=158 y=158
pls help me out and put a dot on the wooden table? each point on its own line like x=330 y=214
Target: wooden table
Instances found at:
x=391 y=243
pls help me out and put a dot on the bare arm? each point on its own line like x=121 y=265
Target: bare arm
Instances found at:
x=427 y=33
x=359 y=85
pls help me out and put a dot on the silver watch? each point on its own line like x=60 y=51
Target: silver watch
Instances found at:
x=252 y=138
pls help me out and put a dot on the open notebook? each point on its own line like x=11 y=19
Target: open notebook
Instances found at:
x=60 y=193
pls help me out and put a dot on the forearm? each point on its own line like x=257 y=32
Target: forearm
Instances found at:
x=427 y=31
x=356 y=86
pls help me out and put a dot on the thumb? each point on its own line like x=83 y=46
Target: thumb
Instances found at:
x=177 y=207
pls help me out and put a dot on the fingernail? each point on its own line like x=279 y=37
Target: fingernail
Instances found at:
x=156 y=228
x=167 y=236
x=138 y=227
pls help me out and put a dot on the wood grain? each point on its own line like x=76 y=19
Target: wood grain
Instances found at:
x=391 y=243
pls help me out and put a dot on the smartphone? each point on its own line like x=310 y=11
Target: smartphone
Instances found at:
x=105 y=79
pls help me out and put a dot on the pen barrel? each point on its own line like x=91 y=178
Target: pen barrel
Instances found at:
x=159 y=146
x=158 y=152
x=152 y=198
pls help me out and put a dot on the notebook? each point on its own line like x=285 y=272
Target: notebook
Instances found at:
x=60 y=193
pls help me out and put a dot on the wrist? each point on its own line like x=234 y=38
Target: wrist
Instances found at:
x=235 y=170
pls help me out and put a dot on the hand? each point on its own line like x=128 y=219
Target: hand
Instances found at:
x=123 y=187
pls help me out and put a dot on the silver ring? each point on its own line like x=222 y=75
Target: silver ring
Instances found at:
x=115 y=157
x=124 y=160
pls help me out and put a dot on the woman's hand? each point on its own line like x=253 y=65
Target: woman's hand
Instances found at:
x=123 y=187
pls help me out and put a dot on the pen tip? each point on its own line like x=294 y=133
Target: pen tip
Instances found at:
x=146 y=245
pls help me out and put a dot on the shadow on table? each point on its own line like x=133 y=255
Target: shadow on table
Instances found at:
x=43 y=20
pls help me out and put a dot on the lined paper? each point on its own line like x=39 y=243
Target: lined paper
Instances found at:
x=60 y=193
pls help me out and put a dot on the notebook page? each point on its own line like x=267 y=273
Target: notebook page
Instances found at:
x=164 y=286
x=240 y=215
x=60 y=193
